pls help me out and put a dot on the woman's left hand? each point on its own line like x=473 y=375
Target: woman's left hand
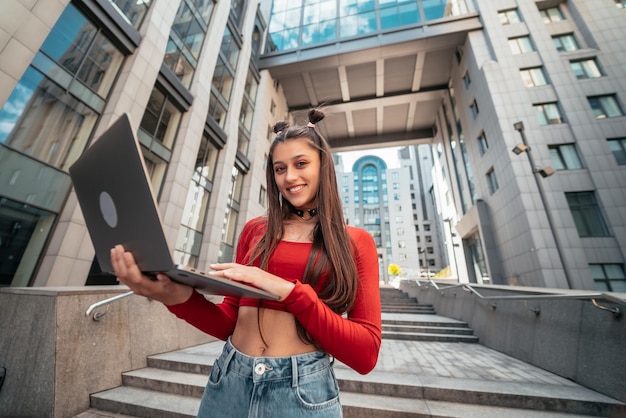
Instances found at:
x=255 y=277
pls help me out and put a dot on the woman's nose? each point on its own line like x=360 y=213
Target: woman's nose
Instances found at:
x=291 y=174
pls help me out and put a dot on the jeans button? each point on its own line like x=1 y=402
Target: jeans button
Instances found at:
x=260 y=369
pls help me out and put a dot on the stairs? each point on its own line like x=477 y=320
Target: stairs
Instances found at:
x=395 y=301
x=172 y=384
x=405 y=319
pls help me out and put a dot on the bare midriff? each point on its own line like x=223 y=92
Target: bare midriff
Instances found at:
x=272 y=334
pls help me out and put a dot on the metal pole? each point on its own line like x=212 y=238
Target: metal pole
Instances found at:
x=456 y=267
x=519 y=126
x=423 y=251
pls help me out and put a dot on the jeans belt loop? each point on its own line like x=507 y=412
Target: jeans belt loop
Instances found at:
x=294 y=372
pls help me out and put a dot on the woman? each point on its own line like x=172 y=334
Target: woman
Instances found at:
x=277 y=360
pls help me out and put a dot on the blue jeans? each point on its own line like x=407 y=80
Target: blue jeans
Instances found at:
x=241 y=386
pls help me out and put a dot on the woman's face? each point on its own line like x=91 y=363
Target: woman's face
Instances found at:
x=297 y=172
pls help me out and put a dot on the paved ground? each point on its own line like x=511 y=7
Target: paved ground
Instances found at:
x=457 y=360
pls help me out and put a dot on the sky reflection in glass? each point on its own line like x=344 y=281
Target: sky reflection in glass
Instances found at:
x=294 y=25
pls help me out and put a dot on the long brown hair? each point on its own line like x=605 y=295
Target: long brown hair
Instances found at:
x=332 y=250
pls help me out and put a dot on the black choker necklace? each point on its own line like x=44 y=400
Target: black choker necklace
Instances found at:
x=300 y=213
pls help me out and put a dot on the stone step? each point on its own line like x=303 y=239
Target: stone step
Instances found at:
x=409 y=310
x=157 y=393
x=138 y=402
x=428 y=329
x=480 y=393
x=133 y=402
x=408 y=303
x=357 y=405
x=424 y=336
x=421 y=320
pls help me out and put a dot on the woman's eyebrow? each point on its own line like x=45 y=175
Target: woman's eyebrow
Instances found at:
x=295 y=157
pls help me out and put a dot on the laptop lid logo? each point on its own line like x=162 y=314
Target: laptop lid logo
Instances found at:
x=108 y=209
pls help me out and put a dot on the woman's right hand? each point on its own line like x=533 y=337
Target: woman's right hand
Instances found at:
x=163 y=289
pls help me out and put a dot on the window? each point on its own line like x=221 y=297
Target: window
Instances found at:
x=509 y=16
x=587 y=68
x=426 y=227
x=466 y=80
x=533 y=77
x=548 y=114
x=223 y=78
x=206 y=160
x=231 y=213
x=133 y=11
x=401 y=244
x=586 y=213
x=609 y=277
x=319 y=23
x=521 y=45
x=553 y=14
x=356 y=19
x=262 y=193
x=618 y=147
x=157 y=132
x=565 y=157
x=430 y=250
x=492 y=182
x=482 y=143
x=160 y=120
x=428 y=238
x=400 y=231
x=398 y=13
x=190 y=233
x=474 y=109
x=605 y=106
x=50 y=114
x=185 y=40
x=565 y=43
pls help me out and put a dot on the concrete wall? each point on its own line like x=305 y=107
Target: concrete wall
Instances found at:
x=569 y=337
x=55 y=356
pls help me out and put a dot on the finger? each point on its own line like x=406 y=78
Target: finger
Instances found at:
x=223 y=266
x=132 y=269
x=164 y=278
x=117 y=261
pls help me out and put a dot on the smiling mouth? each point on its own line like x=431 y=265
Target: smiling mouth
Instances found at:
x=295 y=189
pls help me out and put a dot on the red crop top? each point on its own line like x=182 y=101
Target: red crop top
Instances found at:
x=354 y=340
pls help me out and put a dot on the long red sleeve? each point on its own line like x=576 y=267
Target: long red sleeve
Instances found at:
x=354 y=340
x=217 y=320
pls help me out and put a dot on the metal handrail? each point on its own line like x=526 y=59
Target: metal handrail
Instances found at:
x=97 y=314
x=592 y=296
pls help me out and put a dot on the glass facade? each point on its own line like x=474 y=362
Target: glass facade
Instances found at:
x=303 y=23
x=45 y=125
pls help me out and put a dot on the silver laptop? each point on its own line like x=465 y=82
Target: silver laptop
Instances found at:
x=116 y=199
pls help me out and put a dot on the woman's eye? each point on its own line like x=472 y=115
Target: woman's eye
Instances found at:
x=301 y=163
x=279 y=169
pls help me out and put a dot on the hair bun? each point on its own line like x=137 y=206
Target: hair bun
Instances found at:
x=280 y=126
x=315 y=116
